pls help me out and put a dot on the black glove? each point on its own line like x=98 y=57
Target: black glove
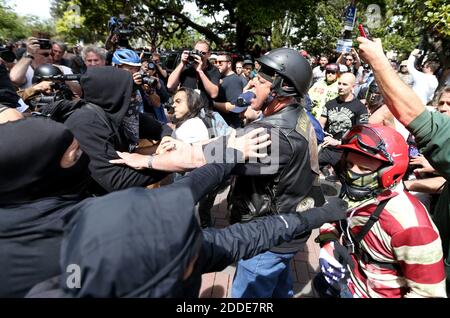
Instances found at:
x=334 y=210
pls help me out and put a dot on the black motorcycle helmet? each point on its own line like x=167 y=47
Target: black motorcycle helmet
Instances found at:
x=291 y=72
x=45 y=71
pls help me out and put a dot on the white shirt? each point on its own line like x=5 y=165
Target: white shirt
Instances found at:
x=424 y=85
x=191 y=131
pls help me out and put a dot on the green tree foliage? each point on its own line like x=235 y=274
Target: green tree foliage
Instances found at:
x=14 y=27
x=244 y=25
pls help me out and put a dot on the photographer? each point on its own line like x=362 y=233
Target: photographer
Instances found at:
x=38 y=52
x=119 y=31
x=160 y=71
x=48 y=81
x=196 y=72
x=155 y=92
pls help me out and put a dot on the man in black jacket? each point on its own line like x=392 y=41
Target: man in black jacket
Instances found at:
x=141 y=243
x=286 y=183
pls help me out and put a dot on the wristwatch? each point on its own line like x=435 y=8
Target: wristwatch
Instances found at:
x=150 y=161
x=28 y=55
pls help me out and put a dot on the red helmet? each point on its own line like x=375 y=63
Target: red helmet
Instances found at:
x=382 y=143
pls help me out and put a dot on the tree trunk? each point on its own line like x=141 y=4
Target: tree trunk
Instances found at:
x=242 y=35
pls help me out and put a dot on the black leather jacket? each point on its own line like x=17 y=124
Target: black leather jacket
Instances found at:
x=289 y=183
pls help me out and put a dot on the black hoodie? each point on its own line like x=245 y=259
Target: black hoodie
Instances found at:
x=35 y=193
x=138 y=242
x=111 y=89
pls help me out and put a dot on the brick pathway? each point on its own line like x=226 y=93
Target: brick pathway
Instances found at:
x=304 y=267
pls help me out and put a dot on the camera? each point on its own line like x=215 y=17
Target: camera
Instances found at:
x=191 y=56
x=149 y=80
x=59 y=88
x=120 y=27
x=45 y=44
x=42 y=101
x=146 y=55
x=64 y=77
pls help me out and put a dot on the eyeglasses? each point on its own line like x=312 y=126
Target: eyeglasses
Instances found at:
x=368 y=140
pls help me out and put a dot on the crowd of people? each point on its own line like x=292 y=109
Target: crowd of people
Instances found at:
x=112 y=163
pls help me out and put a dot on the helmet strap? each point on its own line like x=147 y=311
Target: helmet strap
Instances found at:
x=279 y=89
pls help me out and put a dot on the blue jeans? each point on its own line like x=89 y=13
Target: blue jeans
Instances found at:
x=266 y=275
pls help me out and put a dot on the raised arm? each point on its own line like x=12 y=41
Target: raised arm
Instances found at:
x=399 y=97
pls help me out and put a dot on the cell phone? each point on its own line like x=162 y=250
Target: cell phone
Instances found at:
x=45 y=44
x=364 y=32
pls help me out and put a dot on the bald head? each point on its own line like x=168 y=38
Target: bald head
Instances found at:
x=349 y=78
x=346 y=84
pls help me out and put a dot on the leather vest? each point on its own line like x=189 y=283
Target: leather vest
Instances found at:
x=293 y=187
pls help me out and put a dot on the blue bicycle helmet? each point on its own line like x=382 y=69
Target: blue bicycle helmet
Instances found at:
x=126 y=56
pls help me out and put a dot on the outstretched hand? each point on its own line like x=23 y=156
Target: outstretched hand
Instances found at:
x=133 y=160
x=250 y=143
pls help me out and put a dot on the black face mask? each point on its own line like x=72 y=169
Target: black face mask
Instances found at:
x=358 y=186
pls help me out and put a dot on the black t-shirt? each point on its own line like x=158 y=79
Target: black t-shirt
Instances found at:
x=342 y=116
x=189 y=78
x=229 y=91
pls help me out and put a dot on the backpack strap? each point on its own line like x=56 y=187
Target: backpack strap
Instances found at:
x=374 y=217
x=207 y=120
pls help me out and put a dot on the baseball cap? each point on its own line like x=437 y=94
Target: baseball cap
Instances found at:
x=247 y=62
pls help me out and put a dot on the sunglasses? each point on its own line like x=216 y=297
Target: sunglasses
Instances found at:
x=330 y=72
x=349 y=60
x=220 y=62
x=368 y=140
